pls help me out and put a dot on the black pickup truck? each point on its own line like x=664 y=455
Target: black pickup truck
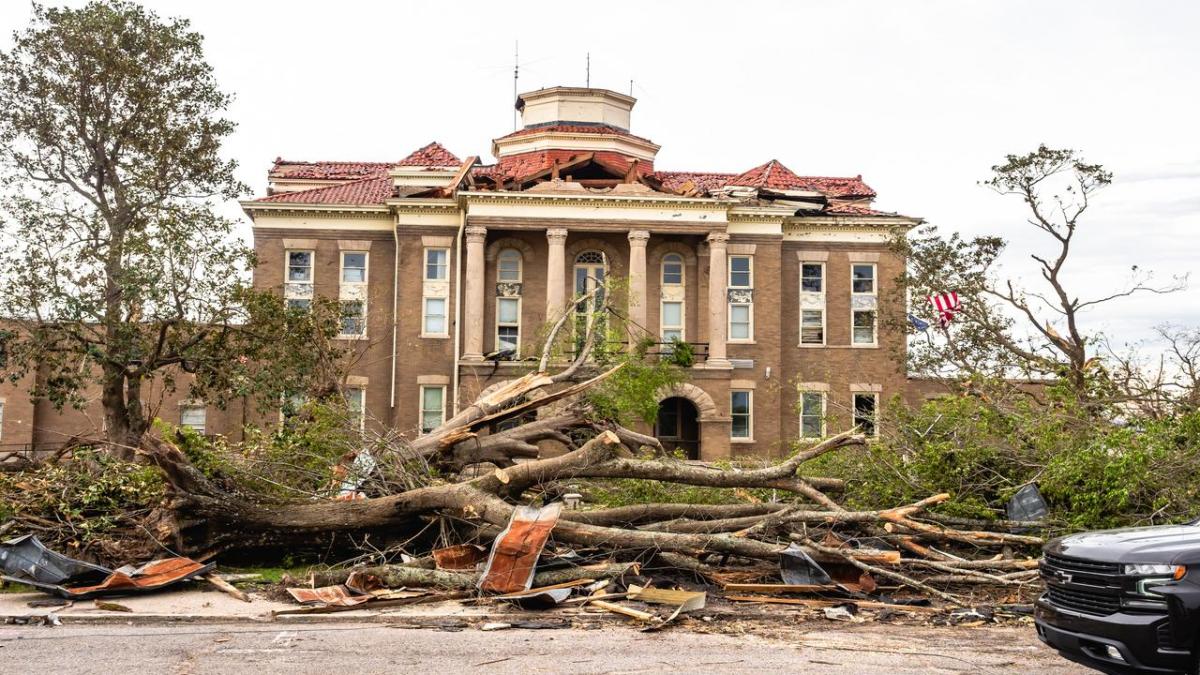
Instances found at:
x=1124 y=601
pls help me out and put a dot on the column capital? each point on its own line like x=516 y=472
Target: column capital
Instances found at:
x=719 y=239
x=476 y=234
x=556 y=235
x=638 y=237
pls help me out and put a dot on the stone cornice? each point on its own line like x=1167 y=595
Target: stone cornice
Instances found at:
x=340 y=210
x=600 y=200
x=884 y=222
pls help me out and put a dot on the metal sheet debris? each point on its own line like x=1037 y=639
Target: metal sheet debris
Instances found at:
x=797 y=568
x=515 y=552
x=25 y=559
x=127 y=580
x=462 y=557
x=336 y=596
x=539 y=599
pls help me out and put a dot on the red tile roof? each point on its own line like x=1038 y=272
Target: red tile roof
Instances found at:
x=574 y=129
x=431 y=155
x=362 y=192
x=772 y=175
x=328 y=170
x=845 y=209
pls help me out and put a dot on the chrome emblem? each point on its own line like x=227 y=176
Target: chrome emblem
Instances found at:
x=1060 y=576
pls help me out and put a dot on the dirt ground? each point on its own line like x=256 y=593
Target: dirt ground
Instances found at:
x=379 y=648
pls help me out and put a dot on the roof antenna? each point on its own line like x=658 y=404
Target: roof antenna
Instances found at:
x=588 y=81
x=516 y=70
x=631 y=88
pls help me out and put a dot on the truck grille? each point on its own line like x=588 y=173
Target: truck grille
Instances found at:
x=1082 y=601
x=1086 y=586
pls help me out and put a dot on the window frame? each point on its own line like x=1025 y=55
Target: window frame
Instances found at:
x=425 y=316
x=854 y=416
x=749 y=272
x=2 y=401
x=366 y=268
x=749 y=414
x=854 y=312
x=362 y=334
x=500 y=269
x=874 y=278
x=362 y=403
x=824 y=327
x=287 y=265
x=749 y=322
x=517 y=324
x=444 y=267
x=821 y=414
x=662 y=324
x=874 y=328
x=421 y=410
x=819 y=265
x=185 y=407
x=662 y=269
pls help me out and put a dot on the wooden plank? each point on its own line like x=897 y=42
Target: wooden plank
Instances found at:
x=226 y=587
x=862 y=604
x=621 y=609
x=687 y=601
x=565 y=584
x=787 y=588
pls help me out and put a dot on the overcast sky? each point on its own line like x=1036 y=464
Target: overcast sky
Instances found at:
x=921 y=98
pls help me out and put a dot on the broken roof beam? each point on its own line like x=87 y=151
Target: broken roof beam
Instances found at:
x=556 y=168
x=464 y=172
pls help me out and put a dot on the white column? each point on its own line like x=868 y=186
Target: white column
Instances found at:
x=718 y=304
x=474 y=290
x=637 y=283
x=556 y=272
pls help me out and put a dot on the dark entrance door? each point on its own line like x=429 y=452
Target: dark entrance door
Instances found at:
x=677 y=427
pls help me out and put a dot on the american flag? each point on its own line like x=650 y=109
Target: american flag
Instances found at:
x=946 y=304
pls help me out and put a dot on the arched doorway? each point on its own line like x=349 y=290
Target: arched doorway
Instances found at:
x=678 y=426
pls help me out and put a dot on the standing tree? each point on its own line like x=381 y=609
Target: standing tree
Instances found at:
x=1007 y=327
x=116 y=267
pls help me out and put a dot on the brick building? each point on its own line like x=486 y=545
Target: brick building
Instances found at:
x=777 y=279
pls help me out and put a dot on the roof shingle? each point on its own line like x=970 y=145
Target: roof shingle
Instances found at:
x=431 y=155
x=367 y=191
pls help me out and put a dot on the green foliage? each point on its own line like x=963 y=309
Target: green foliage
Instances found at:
x=680 y=354
x=94 y=492
x=1093 y=474
x=632 y=393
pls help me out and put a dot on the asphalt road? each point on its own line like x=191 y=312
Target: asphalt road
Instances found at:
x=376 y=648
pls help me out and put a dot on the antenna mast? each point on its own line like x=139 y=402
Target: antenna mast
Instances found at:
x=588 y=77
x=516 y=71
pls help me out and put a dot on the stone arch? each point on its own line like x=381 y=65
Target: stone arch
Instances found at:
x=705 y=406
x=576 y=247
x=663 y=248
x=520 y=245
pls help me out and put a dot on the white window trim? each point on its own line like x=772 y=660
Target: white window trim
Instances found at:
x=2 y=418
x=421 y=406
x=750 y=422
x=854 y=409
x=445 y=317
x=354 y=336
x=362 y=412
x=874 y=343
x=824 y=412
x=520 y=266
x=342 y=268
x=824 y=309
x=662 y=270
x=287 y=265
x=729 y=324
x=662 y=327
x=818 y=263
x=729 y=270
x=520 y=309
x=425 y=263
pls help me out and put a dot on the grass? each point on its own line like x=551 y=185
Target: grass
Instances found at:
x=270 y=575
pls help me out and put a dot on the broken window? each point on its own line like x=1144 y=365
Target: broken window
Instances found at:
x=193 y=417
x=354 y=318
x=433 y=407
x=812 y=414
x=300 y=267
x=866 y=413
x=812 y=327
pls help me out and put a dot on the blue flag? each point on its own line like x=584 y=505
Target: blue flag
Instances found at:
x=920 y=325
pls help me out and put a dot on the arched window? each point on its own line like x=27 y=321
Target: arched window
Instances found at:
x=590 y=271
x=672 y=269
x=508 y=265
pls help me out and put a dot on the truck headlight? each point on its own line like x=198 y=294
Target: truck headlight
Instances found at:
x=1154 y=569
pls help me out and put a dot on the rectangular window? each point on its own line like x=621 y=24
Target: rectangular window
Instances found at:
x=354 y=318
x=356 y=405
x=672 y=321
x=812 y=414
x=292 y=406
x=435 y=316
x=866 y=413
x=863 y=279
x=812 y=326
x=740 y=275
x=300 y=267
x=864 y=326
x=354 y=267
x=508 y=324
x=193 y=417
x=739 y=322
x=812 y=278
x=437 y=264
x=741 y=411
x=1 y=419
x=302 y=304
x=433 y=407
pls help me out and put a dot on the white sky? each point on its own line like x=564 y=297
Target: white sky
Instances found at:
x=921 y=98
